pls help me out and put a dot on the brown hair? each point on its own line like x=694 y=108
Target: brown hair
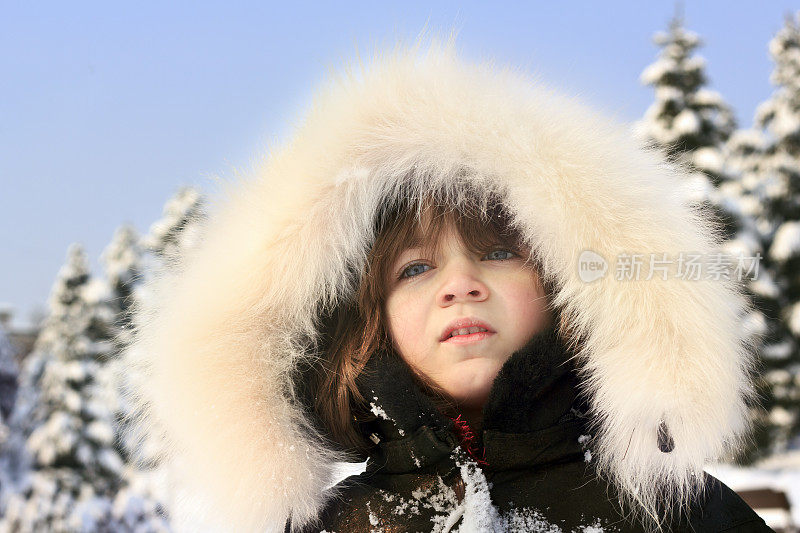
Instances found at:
x=357 y=328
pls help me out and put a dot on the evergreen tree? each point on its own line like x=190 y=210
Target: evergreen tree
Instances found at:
x=122 y=260
x=690 y=124
x=693 y=126
x=8 y=393
x=72 y=476
x=127 y=262
x=745 y=161
x=176 y=230
x=75 y=429
x=688 y=121
x=135 y=506
x=174 y=233
x=8 y=382
x=779 y=182
x=68 y=425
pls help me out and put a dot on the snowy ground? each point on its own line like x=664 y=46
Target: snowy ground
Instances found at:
x=778 y=473
x=345 y=470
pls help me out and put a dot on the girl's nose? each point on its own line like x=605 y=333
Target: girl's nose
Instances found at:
x=462 y=285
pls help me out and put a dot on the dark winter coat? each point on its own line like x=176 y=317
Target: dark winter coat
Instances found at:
x=534 y=455
x=663 y=364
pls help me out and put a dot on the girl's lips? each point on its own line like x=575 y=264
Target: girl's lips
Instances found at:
x=464 y=322
x=469 y=339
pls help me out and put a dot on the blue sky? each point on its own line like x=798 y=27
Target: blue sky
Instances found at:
x=106 y=109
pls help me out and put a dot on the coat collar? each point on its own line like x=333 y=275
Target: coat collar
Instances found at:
x=533 y=416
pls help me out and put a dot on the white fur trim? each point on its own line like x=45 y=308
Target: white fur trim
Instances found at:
x=230 y=321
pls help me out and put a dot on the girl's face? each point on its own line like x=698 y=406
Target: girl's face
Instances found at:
x=458 y=316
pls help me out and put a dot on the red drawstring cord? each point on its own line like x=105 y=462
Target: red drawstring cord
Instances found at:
x=469 y=440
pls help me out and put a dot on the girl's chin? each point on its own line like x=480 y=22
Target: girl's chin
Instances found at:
x=474 y=399
x=471 y=386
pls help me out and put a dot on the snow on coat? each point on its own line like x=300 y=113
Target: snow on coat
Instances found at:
x=529 y=470
x=233 y=317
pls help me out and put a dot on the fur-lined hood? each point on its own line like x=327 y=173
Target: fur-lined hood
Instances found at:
x=232 y=318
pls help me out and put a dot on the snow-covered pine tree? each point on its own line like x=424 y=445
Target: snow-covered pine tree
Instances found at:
x=687 y=121
x=76 y=431
x=135 y=506
x=8 y=394
x=693 y=126
x=175 y=230
x=8 y=382
x=690 y=124
x=69 y=429
x=745 y=152
x=142 y=501
x=168 y=238
x=779 y=187
x=744 y=165
x=122 y=260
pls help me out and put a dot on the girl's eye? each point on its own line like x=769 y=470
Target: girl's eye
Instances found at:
x=499 y=255
x=414 y=270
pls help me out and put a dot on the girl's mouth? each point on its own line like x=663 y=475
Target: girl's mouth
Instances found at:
x=466 y=329
x=468 y=337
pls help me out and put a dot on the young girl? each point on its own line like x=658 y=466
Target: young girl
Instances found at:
x=428 y=278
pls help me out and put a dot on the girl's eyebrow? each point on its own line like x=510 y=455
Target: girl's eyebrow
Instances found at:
x=410 y=249
x=403 y=256
x=415 y=242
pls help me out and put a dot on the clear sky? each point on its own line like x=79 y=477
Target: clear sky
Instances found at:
x=107 y=108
